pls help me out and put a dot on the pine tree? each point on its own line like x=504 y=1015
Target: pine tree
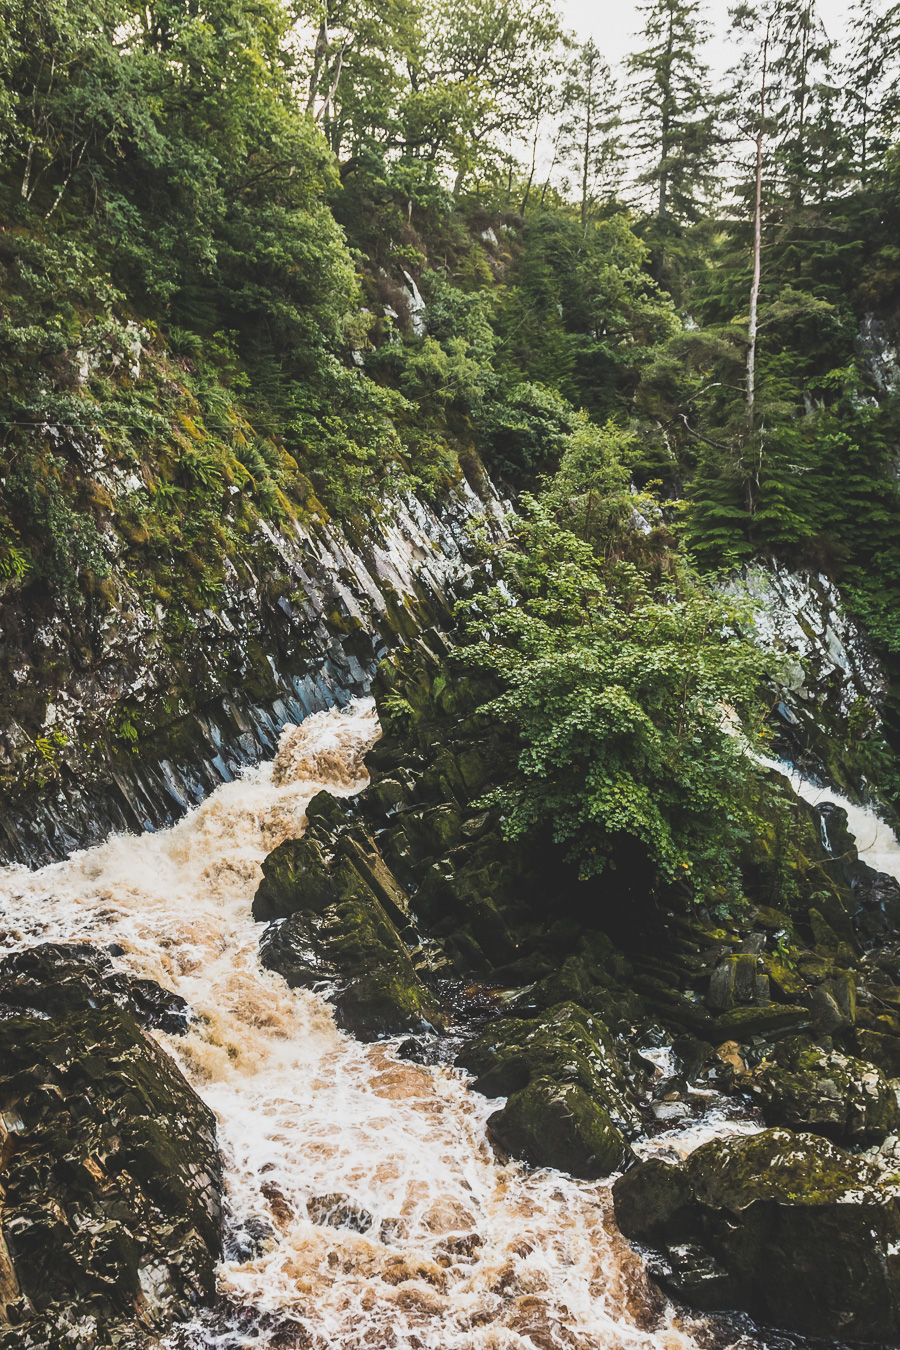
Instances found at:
x=869 y=76
x=673 y=127
x=590 y=139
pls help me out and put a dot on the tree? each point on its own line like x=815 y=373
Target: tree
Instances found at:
x=869 y=78
x=359 y=69
x=673 y=124
x=590 y=141
x=616 y=689
x=778 y=105
x=495 y=57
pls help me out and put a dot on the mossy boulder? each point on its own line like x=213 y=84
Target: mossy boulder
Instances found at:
x=111 y=1181
x=772 y=1022
x=550 y=1124
x=354 y=946
x=807 y=1088
x=569 y=1101
x=880 y=1049
x=787 y=1227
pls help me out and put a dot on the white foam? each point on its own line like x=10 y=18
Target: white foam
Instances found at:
x=875 y=841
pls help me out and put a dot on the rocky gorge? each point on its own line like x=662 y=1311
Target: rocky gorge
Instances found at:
x=333 y=1058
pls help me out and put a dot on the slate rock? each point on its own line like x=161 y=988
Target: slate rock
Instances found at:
x=787 y=1227
x=53 y=979
x=829 y=1093
x=112 y=1180
x=570 y=1104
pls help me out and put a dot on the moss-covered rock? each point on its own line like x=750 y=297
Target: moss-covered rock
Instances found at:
x=786 y=1226
x=807 y=1088
x=570 y=1104
x=550 y=1124
x=112 y=1181
x=880 y=1049
x=354 y=946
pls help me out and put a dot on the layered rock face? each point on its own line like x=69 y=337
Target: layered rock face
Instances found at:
x=125 y=720
x=110 y=1174
x=345 y=920
x=787 y=1226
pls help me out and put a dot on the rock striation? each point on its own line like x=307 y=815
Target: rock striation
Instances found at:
x=125 y=722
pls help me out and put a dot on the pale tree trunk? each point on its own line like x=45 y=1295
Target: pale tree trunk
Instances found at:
x=586 y=163
x=666 y=122
x=332 y=90
x=534 y=146
x=553 y=164
x=319 y=52
x=66 y=181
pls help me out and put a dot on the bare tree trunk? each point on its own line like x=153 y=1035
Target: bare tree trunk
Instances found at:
x=666 y=120
x=26 y=180
x=531 y=173
x=586 y=162
x=326 y=106
x=553 y=164
x=319 y=51
x=757 y=242
x=66 y=181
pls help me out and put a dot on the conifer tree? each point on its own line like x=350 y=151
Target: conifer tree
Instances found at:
x=590 y=141
x=673 y=126
x=869 y=76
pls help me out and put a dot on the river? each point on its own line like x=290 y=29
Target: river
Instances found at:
x=452 y=1248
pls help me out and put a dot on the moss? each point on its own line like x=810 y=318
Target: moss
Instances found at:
x=569 y=1100
x=801 y=1234
x=548 y=1124
x=771 y=1022
x=827 y=1093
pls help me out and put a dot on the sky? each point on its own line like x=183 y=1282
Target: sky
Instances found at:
x=612 y=22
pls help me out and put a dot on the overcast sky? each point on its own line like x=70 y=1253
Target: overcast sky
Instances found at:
x=612 y=22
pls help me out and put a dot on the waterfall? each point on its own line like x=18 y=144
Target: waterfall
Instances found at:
x=876 y=842
x=441 y=1245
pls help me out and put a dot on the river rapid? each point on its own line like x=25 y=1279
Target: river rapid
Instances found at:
x=463 y=1251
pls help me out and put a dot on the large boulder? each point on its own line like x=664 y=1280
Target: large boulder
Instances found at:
x=112 y=1185
x=787 y=1227
x=354 y=948
x=569 y=1103
x=807 y=1088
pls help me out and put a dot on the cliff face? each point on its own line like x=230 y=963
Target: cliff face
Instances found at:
x=122 y=717
x=833 y=688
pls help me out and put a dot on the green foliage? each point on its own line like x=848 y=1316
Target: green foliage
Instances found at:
x=620 y=692
x=673 y=130
x=584 y=315
x=527 y=431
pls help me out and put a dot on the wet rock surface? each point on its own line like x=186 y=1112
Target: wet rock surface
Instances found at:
x=790 y=1006
x=785 y=1226
x=569 y=1103
x=806 y=1087
x=111 y=1174
x=53 y=979
x=126 y=719
x=345 y=919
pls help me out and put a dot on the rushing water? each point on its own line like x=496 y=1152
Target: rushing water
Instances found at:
x=876 y=842
x=463 y=1252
